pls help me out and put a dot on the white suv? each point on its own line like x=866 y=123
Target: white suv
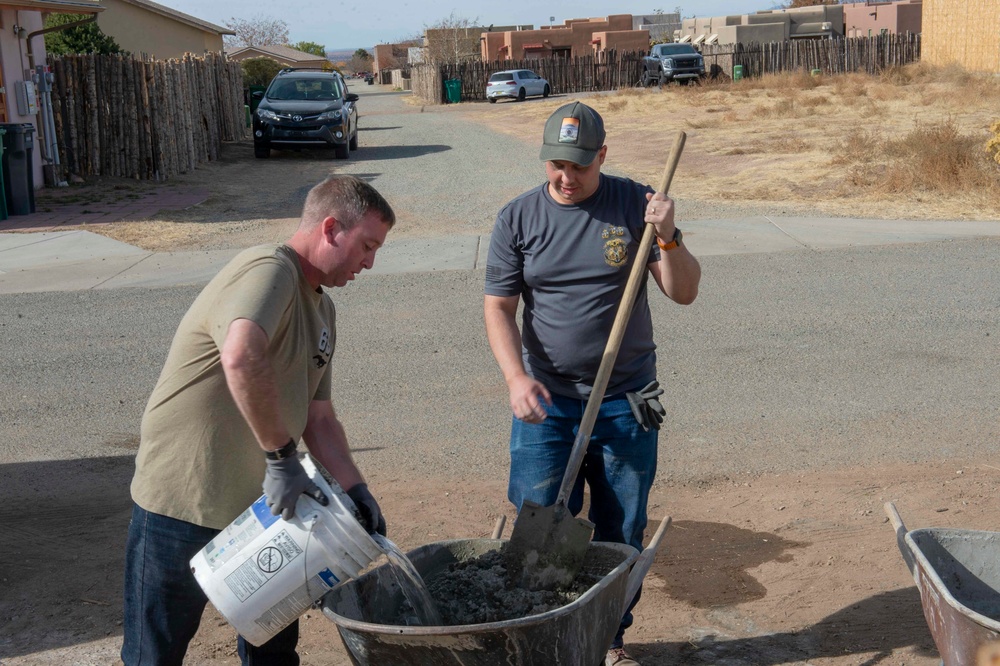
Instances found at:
x=517 y=84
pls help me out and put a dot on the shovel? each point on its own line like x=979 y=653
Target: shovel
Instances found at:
x=548 y=543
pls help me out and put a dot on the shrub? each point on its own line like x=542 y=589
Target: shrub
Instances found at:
x=993 y=145
x=259 y=71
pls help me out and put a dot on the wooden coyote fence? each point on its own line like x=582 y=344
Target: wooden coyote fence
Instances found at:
x=831 y=56
x=145 y=119
x=608 y=71
x=612 y=71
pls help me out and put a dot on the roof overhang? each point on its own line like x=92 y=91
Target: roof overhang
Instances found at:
x=57 y=6
x=533 y=47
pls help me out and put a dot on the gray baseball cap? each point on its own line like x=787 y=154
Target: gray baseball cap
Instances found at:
x=574 y=133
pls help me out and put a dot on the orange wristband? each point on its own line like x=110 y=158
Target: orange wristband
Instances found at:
x=674 y=242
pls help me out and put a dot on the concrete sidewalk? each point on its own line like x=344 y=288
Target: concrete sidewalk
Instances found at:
x=80 y=260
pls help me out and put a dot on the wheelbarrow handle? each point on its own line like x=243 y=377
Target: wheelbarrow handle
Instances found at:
x=900 y=528
x=643 y=562
x=498 y=527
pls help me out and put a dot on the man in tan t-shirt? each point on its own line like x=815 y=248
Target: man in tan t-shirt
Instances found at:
x=247 y=375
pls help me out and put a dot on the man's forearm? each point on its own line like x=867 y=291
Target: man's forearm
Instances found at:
x=681 y=274
x=327 y=442
x=505 y=341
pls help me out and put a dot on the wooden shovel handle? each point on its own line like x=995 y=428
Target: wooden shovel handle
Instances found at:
x=617 y=333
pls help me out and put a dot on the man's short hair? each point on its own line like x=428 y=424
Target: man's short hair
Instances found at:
x=346 y=198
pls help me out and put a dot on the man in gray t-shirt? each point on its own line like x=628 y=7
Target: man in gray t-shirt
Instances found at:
x=566 y=248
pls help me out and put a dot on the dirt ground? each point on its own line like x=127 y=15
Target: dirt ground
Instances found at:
x=793 y=569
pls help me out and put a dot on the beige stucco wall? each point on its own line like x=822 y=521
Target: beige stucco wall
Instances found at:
x=142 y=31
x=865 y=20
x=13 y=61
x=951 y=36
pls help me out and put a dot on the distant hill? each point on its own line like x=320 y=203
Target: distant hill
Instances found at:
x=345 y=54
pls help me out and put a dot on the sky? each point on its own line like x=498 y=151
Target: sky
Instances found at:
x=351 y=24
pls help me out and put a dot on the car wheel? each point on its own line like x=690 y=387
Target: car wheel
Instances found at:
x=521 y=95
x=647 y=80
x=545 y=93
x=261 y=151
x=342 y=151
x=353 y=143
x=493 y=100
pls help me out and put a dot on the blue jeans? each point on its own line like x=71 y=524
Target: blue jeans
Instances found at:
x=619 y=468
x=164 y=603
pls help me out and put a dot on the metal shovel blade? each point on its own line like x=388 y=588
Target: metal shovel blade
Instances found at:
x=548 y=545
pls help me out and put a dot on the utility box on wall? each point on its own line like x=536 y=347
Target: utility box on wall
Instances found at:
x=27 y=102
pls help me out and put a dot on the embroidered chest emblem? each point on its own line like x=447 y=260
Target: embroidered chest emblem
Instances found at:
x=615 y=247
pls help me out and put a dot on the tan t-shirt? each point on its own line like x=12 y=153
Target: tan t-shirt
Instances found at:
x=198 y=459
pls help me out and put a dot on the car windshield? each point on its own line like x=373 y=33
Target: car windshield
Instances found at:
x=303 y=89
x=502 y=76
x=675 y=49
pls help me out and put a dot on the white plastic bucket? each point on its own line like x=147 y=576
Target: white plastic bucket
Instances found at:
x=262 y=572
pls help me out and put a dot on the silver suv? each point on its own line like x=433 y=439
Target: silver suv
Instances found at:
x=306 y=109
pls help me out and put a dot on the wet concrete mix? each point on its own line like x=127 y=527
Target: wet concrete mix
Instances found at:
x=481 y=589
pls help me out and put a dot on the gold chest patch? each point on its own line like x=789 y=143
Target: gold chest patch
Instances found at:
x=615 y=249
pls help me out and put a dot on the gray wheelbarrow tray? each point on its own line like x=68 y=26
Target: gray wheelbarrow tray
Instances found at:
x=958 y=575
x=577 y=634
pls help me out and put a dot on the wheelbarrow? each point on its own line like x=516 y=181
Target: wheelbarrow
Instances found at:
x=958 y=575
x=578 y=633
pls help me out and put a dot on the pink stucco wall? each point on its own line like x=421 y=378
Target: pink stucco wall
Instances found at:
x=14 y=62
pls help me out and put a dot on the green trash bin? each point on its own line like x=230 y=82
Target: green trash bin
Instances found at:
x=453 y=90
x=737 y=72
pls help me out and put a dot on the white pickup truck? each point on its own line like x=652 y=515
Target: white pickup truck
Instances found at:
x=672 y=62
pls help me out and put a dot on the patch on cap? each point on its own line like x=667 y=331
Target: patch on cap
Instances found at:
x=569 y=131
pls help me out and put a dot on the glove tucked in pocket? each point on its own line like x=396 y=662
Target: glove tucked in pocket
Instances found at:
x=646 y=406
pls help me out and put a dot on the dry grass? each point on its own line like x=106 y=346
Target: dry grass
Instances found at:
x=853 y=144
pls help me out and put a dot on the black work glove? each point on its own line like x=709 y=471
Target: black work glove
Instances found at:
x=369 y=513
x=284 y=481
x=646 y=406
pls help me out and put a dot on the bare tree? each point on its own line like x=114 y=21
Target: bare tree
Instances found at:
x=361 y=61
x=453 y=39
x=257 y=31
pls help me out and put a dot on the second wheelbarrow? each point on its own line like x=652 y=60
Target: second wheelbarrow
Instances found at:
x=958 y=575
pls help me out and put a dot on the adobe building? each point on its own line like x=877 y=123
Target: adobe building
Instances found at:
x=771 y=25
x=661 y=27
x=962 y=32
x=457 y=44
x=869 y=19
x=575 y=38
x=386 y=57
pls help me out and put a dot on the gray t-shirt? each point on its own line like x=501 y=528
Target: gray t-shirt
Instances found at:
x=570 y=264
